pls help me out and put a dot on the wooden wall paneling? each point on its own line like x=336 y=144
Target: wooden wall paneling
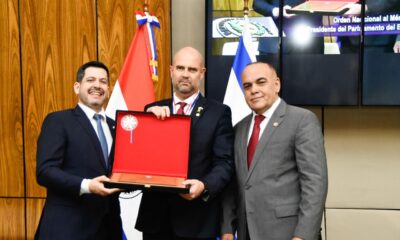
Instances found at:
x=33 y=211
x=12 y=220
x=117 y=26
x=57 y=37
x=11 y=158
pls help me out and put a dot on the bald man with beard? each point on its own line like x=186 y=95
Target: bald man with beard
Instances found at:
x=196 y=215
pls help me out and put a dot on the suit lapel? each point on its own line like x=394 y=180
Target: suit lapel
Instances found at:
x=273 y=124
x=88 y=129
x=111 y=126
x=243 y=133
x=166 y=102
x=198 y=110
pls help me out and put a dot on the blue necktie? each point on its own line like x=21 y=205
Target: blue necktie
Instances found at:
x=102 y=137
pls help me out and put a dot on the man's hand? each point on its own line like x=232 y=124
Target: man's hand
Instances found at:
x=160 y=111
x=196 y=189
x=96 y=186
x=396 y=47
x=285 y=14
x=227 y=236
x=354 y=9
x=297 y=238
x=275 y=12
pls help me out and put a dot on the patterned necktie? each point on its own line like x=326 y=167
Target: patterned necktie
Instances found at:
x=102 y=137
x=251 y=148
x=180 y=110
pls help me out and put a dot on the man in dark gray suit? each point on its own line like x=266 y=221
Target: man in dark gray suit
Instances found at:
x=72 y=163
x=281 y=187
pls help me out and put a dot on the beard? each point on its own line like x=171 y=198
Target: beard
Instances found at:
x=184 y=89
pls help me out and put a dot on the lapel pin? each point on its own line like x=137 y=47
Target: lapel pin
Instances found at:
x=198 y=112
x=276 y=124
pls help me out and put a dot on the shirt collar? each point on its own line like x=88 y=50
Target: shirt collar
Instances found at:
x=90 y=112
x=188 y=100
x=271 y=110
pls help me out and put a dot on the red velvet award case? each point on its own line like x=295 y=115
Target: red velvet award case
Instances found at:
x=322 y=7
x=150 y=153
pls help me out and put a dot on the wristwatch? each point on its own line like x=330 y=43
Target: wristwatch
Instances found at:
x=205 y=195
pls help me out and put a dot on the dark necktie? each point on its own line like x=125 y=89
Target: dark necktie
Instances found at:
x=251 y=148
x=102 y=137
x=180 y=110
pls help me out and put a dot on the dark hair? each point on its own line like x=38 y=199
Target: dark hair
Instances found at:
x=81 y=71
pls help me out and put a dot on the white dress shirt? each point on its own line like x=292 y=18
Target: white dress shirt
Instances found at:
x=267 y=114
x=90 y=113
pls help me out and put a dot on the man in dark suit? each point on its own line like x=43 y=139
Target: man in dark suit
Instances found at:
x=72 y=163
x=281 y=174
x=196 y=215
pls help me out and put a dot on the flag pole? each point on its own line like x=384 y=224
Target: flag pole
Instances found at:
x=153 y=60
x=246 y=8
x=146 y=6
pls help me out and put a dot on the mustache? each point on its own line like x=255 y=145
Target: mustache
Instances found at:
x=184 y=80
x=97 y=89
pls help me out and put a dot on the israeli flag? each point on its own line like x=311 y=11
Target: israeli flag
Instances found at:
x=234 y=96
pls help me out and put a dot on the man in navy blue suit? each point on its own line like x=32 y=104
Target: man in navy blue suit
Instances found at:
x=72 y=163
x=195 y=215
